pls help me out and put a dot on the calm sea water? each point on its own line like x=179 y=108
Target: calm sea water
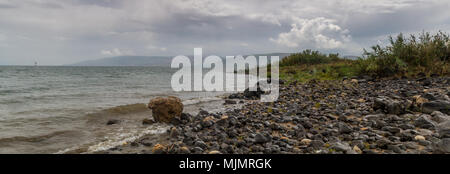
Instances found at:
x=59 y=109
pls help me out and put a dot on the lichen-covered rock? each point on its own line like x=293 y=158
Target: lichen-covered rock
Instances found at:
x=167 y=109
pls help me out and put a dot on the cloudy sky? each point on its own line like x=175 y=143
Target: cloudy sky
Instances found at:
x=56 y=32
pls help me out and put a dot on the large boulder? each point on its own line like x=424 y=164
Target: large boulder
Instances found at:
x=166 y=110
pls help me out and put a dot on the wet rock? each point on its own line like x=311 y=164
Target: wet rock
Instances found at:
x=174 y=132
x=166 y=109
x=230 y=102
x=147 y=121
x=111 y=122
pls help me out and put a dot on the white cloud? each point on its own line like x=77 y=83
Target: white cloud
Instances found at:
x=317 y=33
x=117 y=52
x=151 y=47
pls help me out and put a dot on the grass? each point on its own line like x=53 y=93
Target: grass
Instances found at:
x=325 y=71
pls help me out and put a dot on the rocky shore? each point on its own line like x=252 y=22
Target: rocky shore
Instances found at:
x=353 y=116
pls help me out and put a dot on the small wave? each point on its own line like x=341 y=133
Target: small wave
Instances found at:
x=200 y=100
x=34 y=139
x=116 y=140
x=126 y=109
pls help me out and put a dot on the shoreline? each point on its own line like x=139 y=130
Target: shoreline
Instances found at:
x=353 y=116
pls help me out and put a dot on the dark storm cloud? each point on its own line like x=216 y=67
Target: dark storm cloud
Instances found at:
x=67 y=31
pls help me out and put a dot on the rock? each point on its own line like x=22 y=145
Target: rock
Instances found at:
x=357 y=149
x=254 y=94
x=197 y=150
x=424 y=142
x=230 y=102
x=439 y=117
x=429 y=97
x=166 y=109
x=186 y=116
x=443 y=146
x=383 y=143
x=184 y=150
x=391 y=129
x=146 y=142
x=419 y=100
x=444 y=129
x=305 y=141
x=419 y=137
x=426 y=82
x=344 y=128
x=174 y=132
x=207 y=121
x=201 y=144
x=316 y=144
x=438 y=105
x=424 y=122
x=159 y=149
x=214 y=152
x=388 y=105
x=395 y=148
x=260 y=138
x=147 y=121
x=341 y=147
x=111 y=122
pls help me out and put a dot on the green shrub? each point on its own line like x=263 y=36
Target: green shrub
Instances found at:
x=308 y=57
x=429 y=54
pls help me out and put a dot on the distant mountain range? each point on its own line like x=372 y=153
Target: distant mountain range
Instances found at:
x=146 y=60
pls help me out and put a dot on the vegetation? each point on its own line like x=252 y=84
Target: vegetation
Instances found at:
x=428 y=54
x=309 y=57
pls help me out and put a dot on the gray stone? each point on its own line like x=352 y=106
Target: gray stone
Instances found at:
x=260 y=138
x=439 y=117
x=444 y=129
x=443 y=146
x=424 y=122
x=388 y=105
x=344 y=128
x=438 y=105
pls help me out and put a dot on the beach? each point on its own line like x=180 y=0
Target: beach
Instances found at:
x=358 y=115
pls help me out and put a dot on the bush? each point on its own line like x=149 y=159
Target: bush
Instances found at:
x=429 y=54
x=308 y=57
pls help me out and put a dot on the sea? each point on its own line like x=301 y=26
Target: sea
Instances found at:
x=64 y=109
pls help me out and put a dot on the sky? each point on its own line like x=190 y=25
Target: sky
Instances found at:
x=58 y=32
